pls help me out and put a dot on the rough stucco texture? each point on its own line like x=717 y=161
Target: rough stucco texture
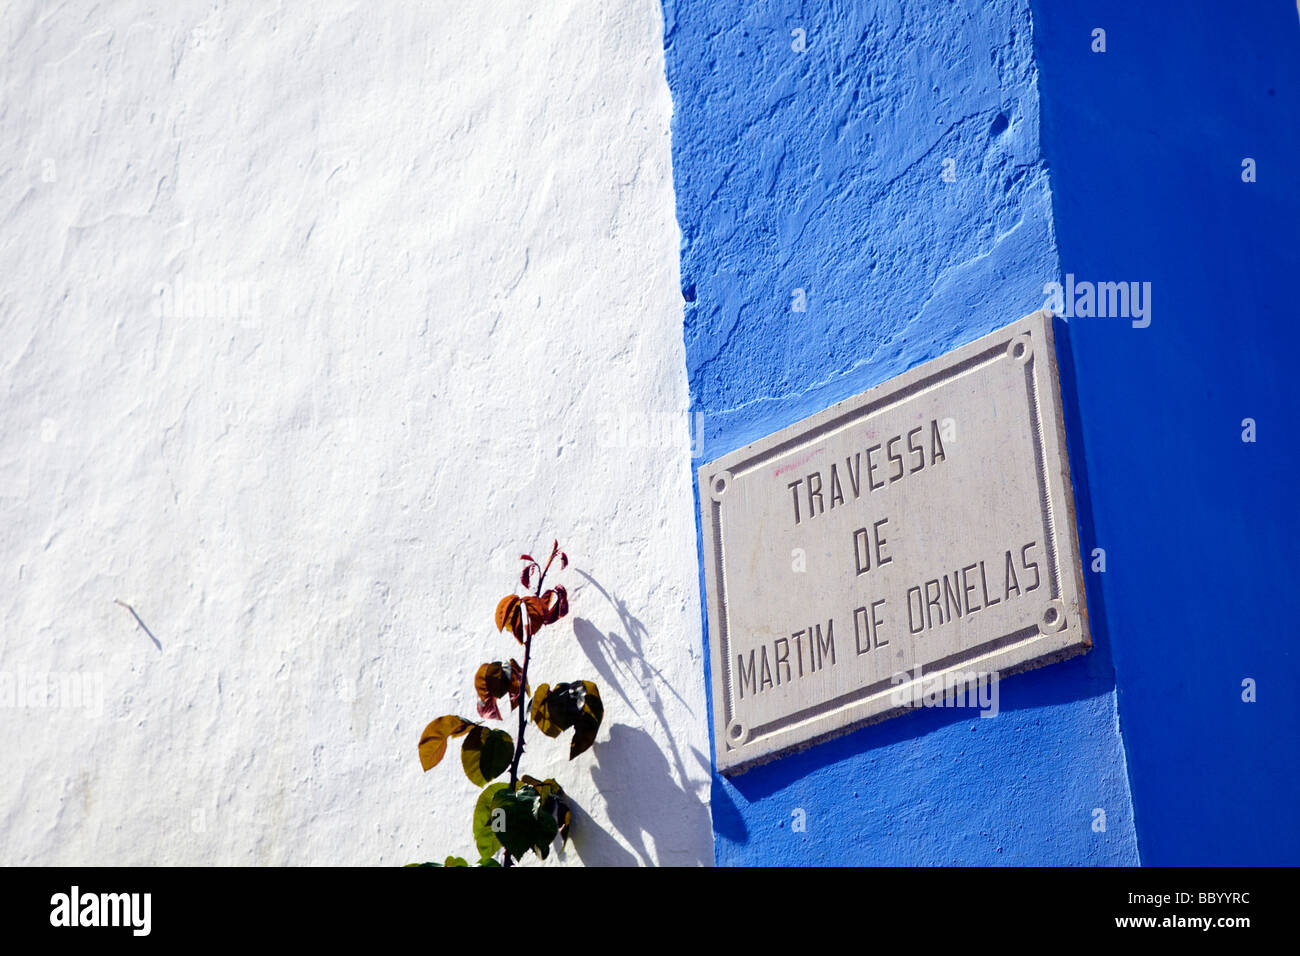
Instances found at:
x=448 y=329
x=821 y=171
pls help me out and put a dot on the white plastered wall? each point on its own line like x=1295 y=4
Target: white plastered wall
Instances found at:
x=314 y=317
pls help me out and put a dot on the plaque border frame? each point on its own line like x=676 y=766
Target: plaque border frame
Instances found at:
x=1029 y=647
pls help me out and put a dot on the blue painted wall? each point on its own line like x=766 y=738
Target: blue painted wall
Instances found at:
x=821 y=170
x=1145 y=144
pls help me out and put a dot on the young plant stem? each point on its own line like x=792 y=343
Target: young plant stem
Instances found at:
x=523 y=682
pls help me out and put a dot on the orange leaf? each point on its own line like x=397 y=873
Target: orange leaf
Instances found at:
x=517 y=614
x=433 y=742
x=505 y=607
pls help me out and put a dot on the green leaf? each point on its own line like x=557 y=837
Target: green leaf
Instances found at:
x=578 y=705
x=588 y=723
x=556 y=708
x=537 y=712
x=554 y=803
x=433 y=742
x=486 y=754
x=450 y=861
x=484 y=838
x=488 y=861
x=526 y=826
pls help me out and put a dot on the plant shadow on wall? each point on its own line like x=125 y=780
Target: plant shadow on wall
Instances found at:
x=643 y=779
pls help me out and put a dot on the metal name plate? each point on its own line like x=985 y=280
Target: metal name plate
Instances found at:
x=920 y=530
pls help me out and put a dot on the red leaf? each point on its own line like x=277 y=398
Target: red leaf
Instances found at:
x=557 y=603
x=495 y=680
x=517 y=686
